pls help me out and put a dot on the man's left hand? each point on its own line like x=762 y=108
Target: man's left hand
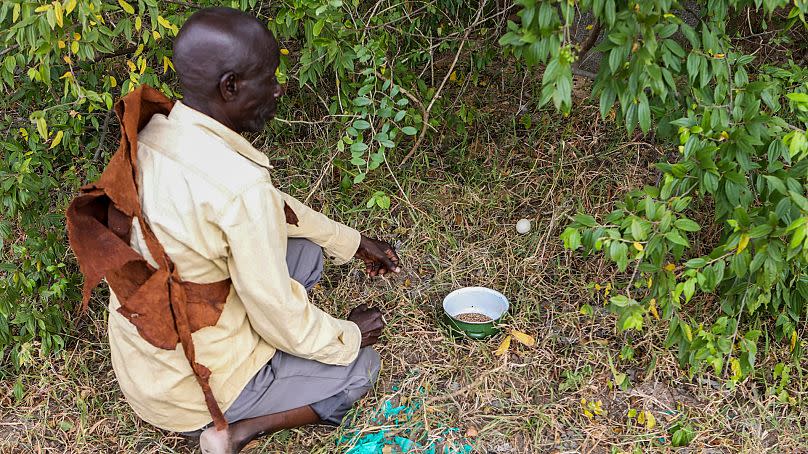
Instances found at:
x=380 y=258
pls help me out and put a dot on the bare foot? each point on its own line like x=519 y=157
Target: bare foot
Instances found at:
x=214 y=441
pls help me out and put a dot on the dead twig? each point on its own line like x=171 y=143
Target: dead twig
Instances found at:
x=104 y=130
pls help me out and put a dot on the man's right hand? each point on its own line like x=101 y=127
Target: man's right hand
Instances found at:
x=370 y=323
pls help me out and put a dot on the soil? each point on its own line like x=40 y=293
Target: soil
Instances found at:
x=473 y=317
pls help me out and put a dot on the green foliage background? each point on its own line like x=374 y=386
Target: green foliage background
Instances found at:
x=740 y=173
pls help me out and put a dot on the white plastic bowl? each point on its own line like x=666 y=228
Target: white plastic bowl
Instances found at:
x=481 y=300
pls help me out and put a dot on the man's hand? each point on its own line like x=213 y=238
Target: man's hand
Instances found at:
x=370 y=323
x=379 y=256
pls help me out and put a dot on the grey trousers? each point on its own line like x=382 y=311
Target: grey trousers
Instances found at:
x=288 y=382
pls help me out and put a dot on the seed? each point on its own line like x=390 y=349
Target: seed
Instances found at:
x=473 y=317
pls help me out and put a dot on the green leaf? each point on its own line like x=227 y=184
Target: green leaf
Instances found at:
x=695 y=263
x=572 y=238
x=585 y=220
x=687 y=225
x=676 y=238
x=638 y=231
x=409 y=130
x=760 y=231
x=644 y=113
x=776 y=184
x=358 y=147
x=361 y=125
x=318 y=27
x=609 y=12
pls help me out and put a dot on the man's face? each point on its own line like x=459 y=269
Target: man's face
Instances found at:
x=259 y=95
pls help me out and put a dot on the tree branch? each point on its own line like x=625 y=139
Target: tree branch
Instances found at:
x=590 y=40
x=8 y=49
x=117 y=53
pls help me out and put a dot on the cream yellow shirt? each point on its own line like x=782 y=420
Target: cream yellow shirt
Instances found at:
x=208 y=196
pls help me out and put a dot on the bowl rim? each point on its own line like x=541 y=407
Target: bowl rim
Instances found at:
x=462 y=290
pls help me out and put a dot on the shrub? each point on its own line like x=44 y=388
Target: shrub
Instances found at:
x=742 y=151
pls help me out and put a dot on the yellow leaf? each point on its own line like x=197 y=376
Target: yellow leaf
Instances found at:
x=453 y=76
x=162 y=21
x=167 y=64
x=670 y=267
x=142 y=63
x=43 y=8
x=126 y=7
x=113 y=82
x=650 y=420
x=67 y=59
x=718 y=55
x=67 y=75
x=76 y=36
x=16 y=13
x=523 y=338
x=138 y=51
x=641 y=417
x=131 y=65
x=652 y=308
x=74 y=47
x=793 y=340
x=70 y=6
x=156 y=35
x=61 y=44
x=735 y=365
x=688 y=332
x=138 y=23
x=743 y=243
x=284 y=51
x=42 y=127
x=504 y=346
x=57 y=9
x=57 y=139
x=638 y=246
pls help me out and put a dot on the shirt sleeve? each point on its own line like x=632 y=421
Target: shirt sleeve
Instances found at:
x=339 y=241
x=277 y=306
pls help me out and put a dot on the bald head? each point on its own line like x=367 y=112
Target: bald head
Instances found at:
x=226 y=62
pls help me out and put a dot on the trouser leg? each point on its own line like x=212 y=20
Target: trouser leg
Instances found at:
x=305 y=261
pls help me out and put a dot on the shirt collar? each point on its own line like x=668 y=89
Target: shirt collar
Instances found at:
x=239 y=144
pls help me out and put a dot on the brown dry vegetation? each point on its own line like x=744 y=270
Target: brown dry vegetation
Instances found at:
x=454 y=210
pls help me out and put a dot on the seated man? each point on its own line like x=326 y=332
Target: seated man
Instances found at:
x=276 y=360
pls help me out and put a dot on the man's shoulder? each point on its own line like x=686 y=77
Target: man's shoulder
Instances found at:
x=201 y=153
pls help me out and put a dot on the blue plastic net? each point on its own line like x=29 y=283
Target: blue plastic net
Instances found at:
x=401 y=433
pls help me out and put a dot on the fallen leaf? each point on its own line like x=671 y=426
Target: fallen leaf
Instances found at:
x=471 y=432
x=650 y=420
x=504 y=346
x=523 y=338
x=387 y=449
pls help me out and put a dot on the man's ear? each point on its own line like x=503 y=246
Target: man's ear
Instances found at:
x=228 y=86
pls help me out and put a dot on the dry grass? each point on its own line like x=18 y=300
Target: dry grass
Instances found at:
x=455 y=227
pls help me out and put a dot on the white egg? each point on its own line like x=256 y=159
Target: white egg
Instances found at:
x=523 y=226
